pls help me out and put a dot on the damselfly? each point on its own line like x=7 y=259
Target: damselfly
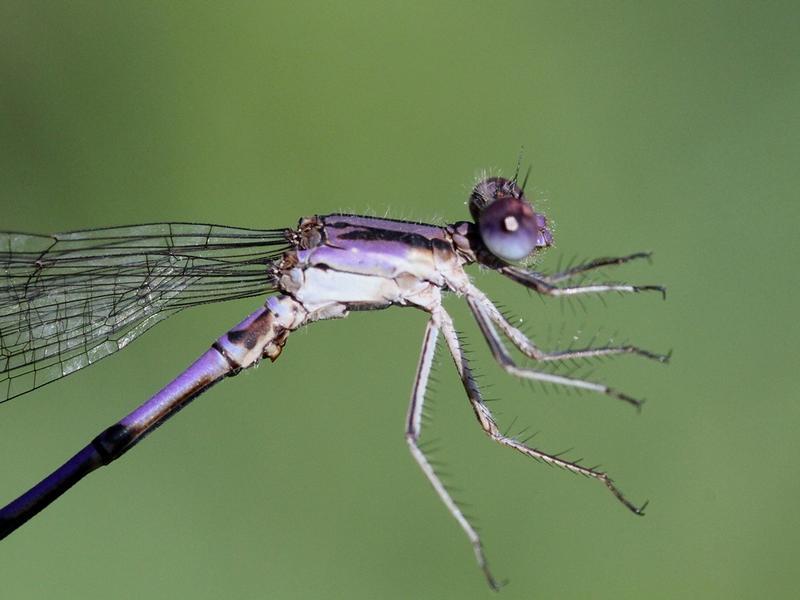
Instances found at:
x=69 y=300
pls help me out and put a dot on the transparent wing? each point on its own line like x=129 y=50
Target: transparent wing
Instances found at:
x=70 y=299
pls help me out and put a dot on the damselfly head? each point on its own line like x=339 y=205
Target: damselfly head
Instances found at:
x=509 y=227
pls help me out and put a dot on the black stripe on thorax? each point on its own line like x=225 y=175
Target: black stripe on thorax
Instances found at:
x=415 y=240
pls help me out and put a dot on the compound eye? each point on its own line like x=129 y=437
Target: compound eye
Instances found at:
x=508 y=228
x=507 y=223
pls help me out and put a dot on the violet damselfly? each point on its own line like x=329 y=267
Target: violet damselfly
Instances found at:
x=69 y=300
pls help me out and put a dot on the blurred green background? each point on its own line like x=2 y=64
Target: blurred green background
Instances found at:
x=664 y=126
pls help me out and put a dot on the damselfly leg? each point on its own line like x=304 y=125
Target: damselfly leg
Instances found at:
x=541 y=284
x=413 y=432
x=593 y=265
x=489 y=426
x=485 y=310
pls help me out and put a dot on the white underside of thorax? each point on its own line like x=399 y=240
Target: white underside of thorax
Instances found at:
x=328 y=294
x=341 y=274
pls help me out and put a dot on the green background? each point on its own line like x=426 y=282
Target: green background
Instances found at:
x=669 y=126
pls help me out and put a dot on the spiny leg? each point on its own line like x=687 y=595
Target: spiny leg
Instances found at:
x=480 y=303
x=413 y=429
x=597 y=263
x=541 y=285
x=491 y=428
x=504 y=359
